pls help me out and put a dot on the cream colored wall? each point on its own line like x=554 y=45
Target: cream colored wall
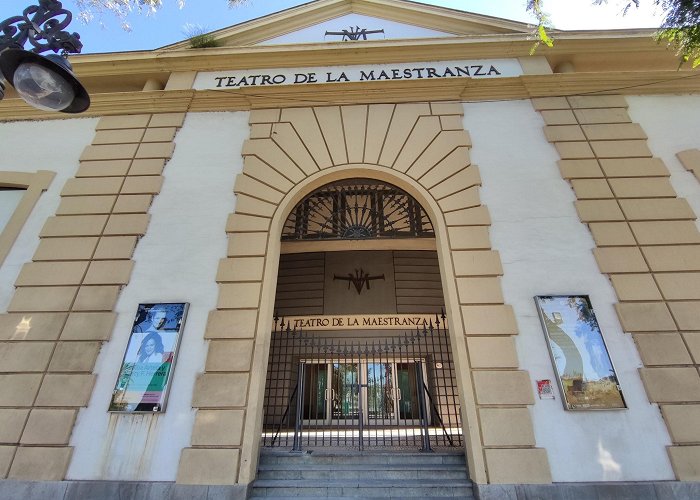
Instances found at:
x=62 y=308
x=175 y=261
x=21 y=154
x=648 y=244
x=423 y=149
x=546 y=250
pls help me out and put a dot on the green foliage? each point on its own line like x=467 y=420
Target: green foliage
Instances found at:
x=95 y=9
x=199 y=37
x=680 y=28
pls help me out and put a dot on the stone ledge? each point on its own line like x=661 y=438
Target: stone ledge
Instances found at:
x=656 y=490
x=117 y=490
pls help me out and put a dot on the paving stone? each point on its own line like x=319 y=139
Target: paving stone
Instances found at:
x=107 y=490
x=186 y=492
x=229 y=492
x=626 y=491
x=30 y=490
x=672 y=490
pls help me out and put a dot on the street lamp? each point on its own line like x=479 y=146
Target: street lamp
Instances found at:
x=45 y=82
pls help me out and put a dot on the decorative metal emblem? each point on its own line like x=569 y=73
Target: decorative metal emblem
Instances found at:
x=43 y=27
x=354 y=34
x=357 y=209
x=359 y=279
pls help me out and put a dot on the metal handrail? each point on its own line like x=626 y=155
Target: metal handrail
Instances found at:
x=286 y=412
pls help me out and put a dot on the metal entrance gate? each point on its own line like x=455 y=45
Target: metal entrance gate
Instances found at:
x=395 y=391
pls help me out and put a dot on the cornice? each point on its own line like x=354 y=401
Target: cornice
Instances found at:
x=447 y=89
x=618 y=43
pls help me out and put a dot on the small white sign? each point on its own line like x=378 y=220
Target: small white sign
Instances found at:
x=478 y=68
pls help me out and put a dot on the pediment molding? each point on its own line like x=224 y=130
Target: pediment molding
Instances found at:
x=431 y=17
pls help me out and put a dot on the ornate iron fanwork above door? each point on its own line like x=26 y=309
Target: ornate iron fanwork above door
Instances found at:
x=357 y=209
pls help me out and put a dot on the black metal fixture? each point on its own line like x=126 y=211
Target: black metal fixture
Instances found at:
x=355 y=209
x=45 y=82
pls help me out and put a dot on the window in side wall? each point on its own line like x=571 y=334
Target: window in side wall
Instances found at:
x=19 y=193
x=9 y=200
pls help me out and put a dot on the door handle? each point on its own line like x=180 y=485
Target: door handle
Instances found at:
x=398 y=394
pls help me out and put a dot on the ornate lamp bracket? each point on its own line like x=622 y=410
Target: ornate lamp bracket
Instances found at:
x=43 y=26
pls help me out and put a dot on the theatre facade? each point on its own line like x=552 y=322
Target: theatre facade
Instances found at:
x=367 y=226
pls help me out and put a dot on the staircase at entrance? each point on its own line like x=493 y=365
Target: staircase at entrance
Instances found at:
x=329 y=474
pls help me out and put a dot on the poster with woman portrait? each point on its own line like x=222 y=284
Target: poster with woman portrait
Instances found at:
x=585 y=372
x=143 y=382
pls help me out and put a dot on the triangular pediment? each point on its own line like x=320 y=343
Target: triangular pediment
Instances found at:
x=324 y=21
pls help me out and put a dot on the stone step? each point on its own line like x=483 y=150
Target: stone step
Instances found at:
x=362 y=489
x=443 y=472
x=353 y=474
x=398 y=495
x=285 y=457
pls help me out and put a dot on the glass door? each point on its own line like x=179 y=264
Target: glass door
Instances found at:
x=407 y=383
x=344 y=394
x=330 y=393
x=316 y=391
x=390 y=393
x=381 y=393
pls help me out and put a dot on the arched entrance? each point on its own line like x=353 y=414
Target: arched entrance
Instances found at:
x=422 y=149
x=360 y=354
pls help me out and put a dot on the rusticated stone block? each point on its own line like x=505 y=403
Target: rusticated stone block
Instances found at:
x=49 y=427
x=686 y=462
x=657 y=349
x=682 y=422
x=75 y=356
x=237 y=323
x=220 y=390
x=11 y=424
x=19 y=389
x=40 y=464
x=489 y=320
x=65 y=390
x=208 y=466
x=506 y=427
x=229 y=356
x=501 y=387
x=24 y=356
x=521 y=465
x=645 y=317
x=34 y=326
x=218 y=428
x=671 y=385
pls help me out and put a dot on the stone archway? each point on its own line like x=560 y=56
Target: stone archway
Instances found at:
x=423 y=149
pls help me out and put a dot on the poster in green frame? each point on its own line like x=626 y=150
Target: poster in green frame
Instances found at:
x=144 y=377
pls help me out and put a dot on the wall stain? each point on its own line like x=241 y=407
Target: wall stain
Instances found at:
x=129 y=445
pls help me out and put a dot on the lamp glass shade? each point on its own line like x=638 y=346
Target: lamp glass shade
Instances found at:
x=43 y=88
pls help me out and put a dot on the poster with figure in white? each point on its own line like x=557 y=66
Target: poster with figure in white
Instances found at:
x=585 y=372
x=142 y=385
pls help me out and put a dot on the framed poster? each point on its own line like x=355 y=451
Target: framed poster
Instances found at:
x=585 y=373
x=144 y=378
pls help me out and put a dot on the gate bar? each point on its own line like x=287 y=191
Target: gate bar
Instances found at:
x=296 y=446
x=425 y=436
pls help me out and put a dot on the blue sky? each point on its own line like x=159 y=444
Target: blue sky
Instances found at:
x=167 y=25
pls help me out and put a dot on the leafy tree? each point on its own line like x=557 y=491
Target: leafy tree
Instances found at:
x=680 y=27
x=90 y=9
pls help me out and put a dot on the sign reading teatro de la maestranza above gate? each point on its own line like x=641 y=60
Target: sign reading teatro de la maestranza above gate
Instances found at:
x=363 y=322
x=480 y=68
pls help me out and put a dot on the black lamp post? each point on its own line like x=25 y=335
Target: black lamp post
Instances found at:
x=45 y=82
